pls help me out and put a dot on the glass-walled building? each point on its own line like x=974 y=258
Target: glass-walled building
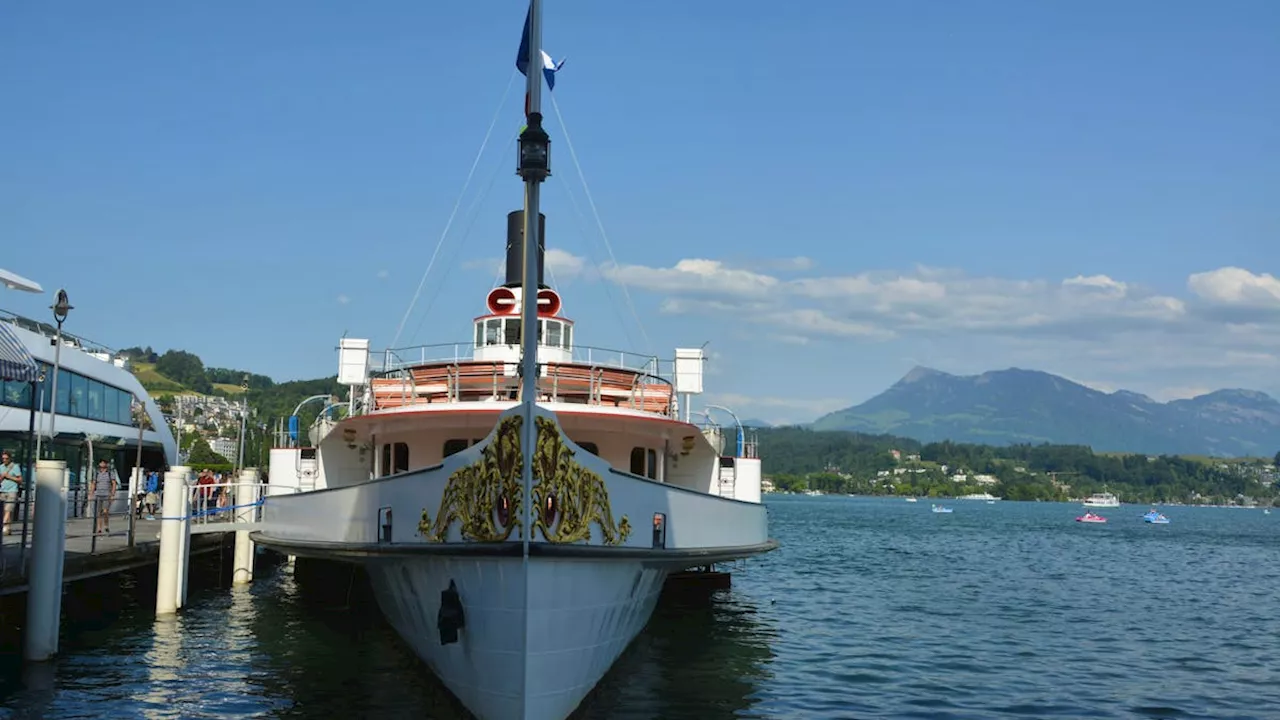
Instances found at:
x=95 y=414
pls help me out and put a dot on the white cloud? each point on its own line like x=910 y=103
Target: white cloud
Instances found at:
x=1236 y=286
x=1097 y=326
x=563 y=265
x=694 y=276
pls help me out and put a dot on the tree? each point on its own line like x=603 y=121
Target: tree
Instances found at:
x=186 y=368
x=202 y=454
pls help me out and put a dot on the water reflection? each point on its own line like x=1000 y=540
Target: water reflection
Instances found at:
x=705 y=657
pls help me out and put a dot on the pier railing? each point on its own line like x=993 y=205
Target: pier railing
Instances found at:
x=216 y=507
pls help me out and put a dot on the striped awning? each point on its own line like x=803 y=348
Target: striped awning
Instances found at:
x=16 y=362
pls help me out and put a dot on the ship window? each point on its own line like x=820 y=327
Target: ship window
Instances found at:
x=386 y=459
x=553 y=334
x=401 y=457
x=512 y=334
x=568 y=337
x=637 y=461
x=479 y=334
x=590 y=447
x=540 y=333
x=453 y=446
x=126 y=407
x=493 y=332
x=652 y=470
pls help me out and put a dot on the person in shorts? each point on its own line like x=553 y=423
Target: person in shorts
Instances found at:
x=10 y=483
x=105 y=485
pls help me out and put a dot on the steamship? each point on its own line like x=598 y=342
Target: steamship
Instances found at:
x=519 y=501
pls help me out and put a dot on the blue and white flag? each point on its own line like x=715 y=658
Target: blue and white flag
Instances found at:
x=549 y=67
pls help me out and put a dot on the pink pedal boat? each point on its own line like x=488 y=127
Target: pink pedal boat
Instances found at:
x=1090 y=518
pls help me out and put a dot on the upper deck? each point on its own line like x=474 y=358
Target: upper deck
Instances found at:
x=451 y=373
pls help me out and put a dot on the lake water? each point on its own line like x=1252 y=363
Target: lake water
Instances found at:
x=873 y=608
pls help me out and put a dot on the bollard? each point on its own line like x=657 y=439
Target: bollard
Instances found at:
x=48 y=546
x=175 y=532
x=247 y=494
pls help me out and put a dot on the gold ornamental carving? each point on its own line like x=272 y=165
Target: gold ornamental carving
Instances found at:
x=567 y=497
x=485 y=496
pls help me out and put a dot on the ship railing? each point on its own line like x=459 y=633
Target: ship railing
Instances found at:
x=409 y=357
x=592 y=384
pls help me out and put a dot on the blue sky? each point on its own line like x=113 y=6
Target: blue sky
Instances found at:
x=829 y=193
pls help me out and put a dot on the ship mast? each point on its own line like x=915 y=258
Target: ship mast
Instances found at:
x=533 y=168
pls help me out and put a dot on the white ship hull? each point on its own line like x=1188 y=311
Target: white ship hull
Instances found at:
x=581 y=615
x=540 y=631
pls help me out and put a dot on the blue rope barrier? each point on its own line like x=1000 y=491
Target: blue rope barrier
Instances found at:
x=212 y=511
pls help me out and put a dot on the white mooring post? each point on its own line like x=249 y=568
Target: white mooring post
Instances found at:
x=48 y=547
x=175 y=534
x=247 y=494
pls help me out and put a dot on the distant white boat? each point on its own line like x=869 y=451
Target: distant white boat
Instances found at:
x=979 y=496
x=1102 y=500
x=911 y=499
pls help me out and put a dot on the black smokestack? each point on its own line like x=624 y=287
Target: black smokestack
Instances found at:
x=515 y=248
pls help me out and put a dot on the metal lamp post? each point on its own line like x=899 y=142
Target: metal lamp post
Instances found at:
x=244 y=412
x=61 y=307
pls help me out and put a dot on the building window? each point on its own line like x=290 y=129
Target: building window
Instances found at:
x=401 y=457
x=96 y=395
x=637 y=461
x=125 y=407
x=386 y=459
x=78 y=396
x=64 y=392
x=651 y=471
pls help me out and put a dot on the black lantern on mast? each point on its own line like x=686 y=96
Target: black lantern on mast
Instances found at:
x=535 y=151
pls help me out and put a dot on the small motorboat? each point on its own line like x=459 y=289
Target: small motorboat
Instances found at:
x=1090 y=518
x=941 y=509
x=1266 y=511
x=1155 y=518
x=911 y=499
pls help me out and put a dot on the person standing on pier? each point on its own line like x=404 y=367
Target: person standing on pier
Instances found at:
x=10 y=482
x=105 y=484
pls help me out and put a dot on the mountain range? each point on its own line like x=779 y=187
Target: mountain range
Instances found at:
x=1027 y=406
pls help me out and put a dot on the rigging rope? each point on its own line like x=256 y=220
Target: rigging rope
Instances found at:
x=409 y=311
x=578 y=217
x=471 y=213
x=608 y=246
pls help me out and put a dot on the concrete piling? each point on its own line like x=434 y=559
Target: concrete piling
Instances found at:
x=247 y=495
x=175 y=541
x=48 y=545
